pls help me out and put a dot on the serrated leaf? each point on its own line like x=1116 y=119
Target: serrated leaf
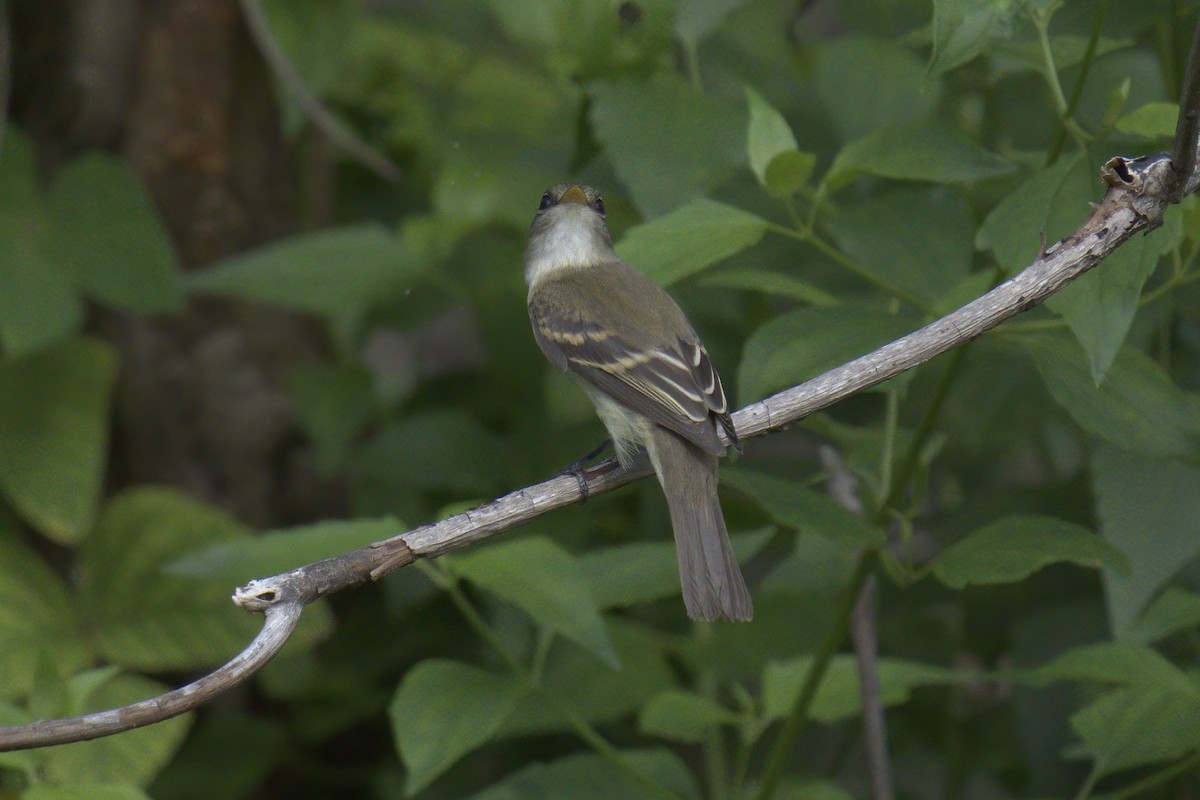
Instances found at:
x=767 y=136
x=36 y=617
x=331 y=272
x=143 y=618
x=1150 y=509
x=1011 y=549
x=546 y=582
x=108 y=234
x=54 y=425
x=682 y=716
x=278 y=551
x=134 y=757
x=689 y=239
x=838 y=696
x=926 y=152
x=668 y=142
x=1152 y=120
x=804 y=343
x=804 y=510
x=1137 y=407
x=39 y=301
x=1127 y=728
x=588 y=776
x=444 y=710
x=641 y=572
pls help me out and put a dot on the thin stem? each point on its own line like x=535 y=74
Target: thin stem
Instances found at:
x=866 y=651
x=796 y=719
x=1162 y=776
x=1060 y=136
x=582 y=728
x=890 y=426
x=808 y=236
x=1085 y=791
x=1187 y=127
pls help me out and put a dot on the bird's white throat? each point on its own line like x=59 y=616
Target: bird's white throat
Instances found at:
x=569 y=237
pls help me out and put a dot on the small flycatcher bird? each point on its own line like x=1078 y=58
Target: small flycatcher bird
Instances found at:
x=651 y=380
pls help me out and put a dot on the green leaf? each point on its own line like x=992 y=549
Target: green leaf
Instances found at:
x=919 y=239
x=134 y=757
x=588 y=776
x=838 y=696
x=589 y=689
x=682 y=716
x=1152 y=120
x=142 y=617
x=1127 y=728
x=788 y=172
x=768 y=135
x=1122 y=663
x=546 y=582
x=667 y=142
x=1048 y=206
x=54 y=426
x=926 y=152
x=1172 y=611
x=37 y=619
x=108 y=233
x=641 y=572
x=963 y=29
x=689 y=239
x=334 y=403
x=804 y=510
x=1011 y=549
x=90 y=791
x=39 y=302
x=802 y=344
x=1099 y=305
x=278 y=551
x=695 y=20
x=447 y=449
x=1150 y=509
x=760 y=279
x=444 y=710
x=1137 y=407
x=888 y=83
x=335 y=271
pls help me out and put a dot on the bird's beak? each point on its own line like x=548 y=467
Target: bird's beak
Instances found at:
x=574 y=195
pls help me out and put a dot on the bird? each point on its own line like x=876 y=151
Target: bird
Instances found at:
x=639 y=360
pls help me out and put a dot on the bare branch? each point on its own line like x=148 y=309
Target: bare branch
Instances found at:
x=280 y=621
x=1187 y=127
x=1138 y=195
x=313 y=109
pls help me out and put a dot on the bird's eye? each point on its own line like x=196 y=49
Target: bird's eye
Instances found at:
x=599 y=206
x=547 y=201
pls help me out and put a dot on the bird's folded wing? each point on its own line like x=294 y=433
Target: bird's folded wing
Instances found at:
x=673 y=384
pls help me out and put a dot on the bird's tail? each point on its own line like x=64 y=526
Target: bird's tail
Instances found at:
x=713 y=587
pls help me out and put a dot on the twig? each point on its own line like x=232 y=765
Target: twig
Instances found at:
x=312 y=107
x=5 y=68
x=842 y=487
x=280 y=621
x=1187 y=127
x=1135 y=202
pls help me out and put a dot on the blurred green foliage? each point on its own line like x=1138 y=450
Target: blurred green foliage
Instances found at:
x=812 y=183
